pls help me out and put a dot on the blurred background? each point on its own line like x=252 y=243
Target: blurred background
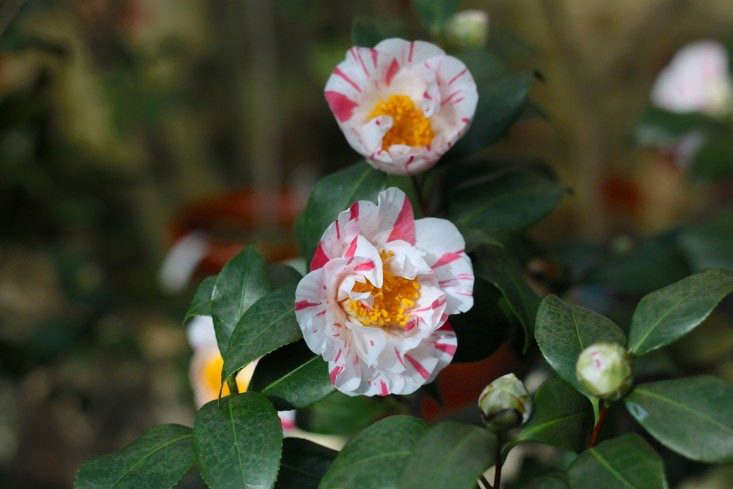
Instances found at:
x=126 y=125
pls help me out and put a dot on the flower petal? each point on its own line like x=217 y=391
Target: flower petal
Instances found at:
x=444 y=247
x=407 y=52
x=395 y=218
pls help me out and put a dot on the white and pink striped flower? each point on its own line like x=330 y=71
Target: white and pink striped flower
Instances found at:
x=696 y=80
x=401 y=104
x=376 y=302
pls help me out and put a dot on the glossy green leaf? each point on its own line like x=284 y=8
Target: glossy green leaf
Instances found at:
x=497 y=267
x=331 y=195
x=240 y=283
x=282 y=276
x=449 y=456
x=709 y=243
x=374 y=459
x=156 y=460
x=659 y=126
x=561 y=417
x=238 y=442
x=667 y=314
x=201 y=302
x=501 y=101
x=292 y=377
x=434 y=13
x=626 y=462
x=511 y=201
x=368 y=31
x=339 y=414
x=303 y=464
x=692 y=416
x=269 y=324
x=563 y=330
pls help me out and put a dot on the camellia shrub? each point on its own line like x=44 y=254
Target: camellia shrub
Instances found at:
x=416 y=261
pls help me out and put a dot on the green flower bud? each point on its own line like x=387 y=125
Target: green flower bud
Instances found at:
x=468 y=29
x=604 y=369
x=505 y=403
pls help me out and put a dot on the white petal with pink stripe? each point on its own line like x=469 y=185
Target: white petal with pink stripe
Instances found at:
x=376 y=302
x=372 y=88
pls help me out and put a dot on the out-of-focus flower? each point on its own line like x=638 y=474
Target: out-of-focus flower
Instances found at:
x=181 y=261
x=207 y=363
x=468 y=28
x=401 y=104
x=376 y=302
x=505 y=403
x=604 y=369
x=696 y=80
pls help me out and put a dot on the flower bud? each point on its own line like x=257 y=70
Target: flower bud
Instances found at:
x=604 y=369
x=505 y=403
x=468 y=29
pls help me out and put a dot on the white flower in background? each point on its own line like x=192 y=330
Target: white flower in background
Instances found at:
x=207 y=363
x=468 y=28
x=401 y=104
x=696 y=80
x=376 y=302
x=181 y=261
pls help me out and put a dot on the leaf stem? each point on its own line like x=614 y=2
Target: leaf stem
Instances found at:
x=497 y=469
x=484 y=483
x=233 y=387
x=596 y=433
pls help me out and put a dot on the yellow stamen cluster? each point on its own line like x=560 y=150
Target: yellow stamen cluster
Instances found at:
x=212 y=377
x=409 y=124
x=392 y=303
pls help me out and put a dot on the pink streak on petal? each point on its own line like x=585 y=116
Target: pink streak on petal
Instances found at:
x=446 y=327
x=457 y=76
x=375 y=56
x=418 y=366
x=300 y=305
x=320 y=258
x=338 y=355
x=394 y=66
x=412 y=51
x=449 y=97
x=404 y=226
x=464 y=276
x=426 y=95
x=466 y=120
x=354 y=211
x=345 y=77
x=355 y=53
x=322 y=313
x=399 y=357
x=447 y=258
x=335 y=373
x=341 y=105
x=338 y=229
x=364 y=267
x=449 y=349
x=352 y=248
x=383 y=391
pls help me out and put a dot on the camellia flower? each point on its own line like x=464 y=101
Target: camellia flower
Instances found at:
x=401 y=104
x=207 y=363
x=696 y=80
x=376 y=302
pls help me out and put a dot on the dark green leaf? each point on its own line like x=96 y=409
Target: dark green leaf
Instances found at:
x=669 y=313
x=482 y=329
x=238 y=441
x=282 y=276
x=331 y=195
x=564 y=330
x=269 y=324
x=497 y=267
x=649 y=265
x=626 y=462
x=292 y=377
x=661 y=127
x=561 y=417
x=449 y=456
x=368 y=31
x=714 y=160
x=709 y=244
x=339 y=414
x=510 y=201
x=158 y=459
x=239 y=284
x=201 y=302
x=434 y=13
x=303 y=464
x=500 y=103
x=692 y=416
x=375 y=457
x=550 y=481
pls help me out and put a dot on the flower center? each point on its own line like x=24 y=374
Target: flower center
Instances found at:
x=409 y=124
x=212 y=377
x=392 y=302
